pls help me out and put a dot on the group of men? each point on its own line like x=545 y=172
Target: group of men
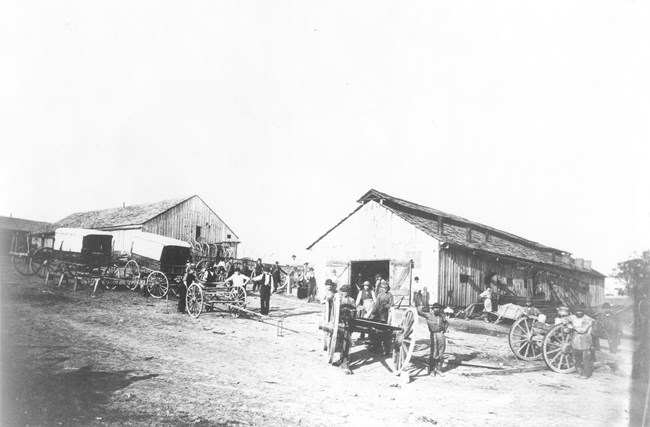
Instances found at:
x=265 y=280
x=375 y=305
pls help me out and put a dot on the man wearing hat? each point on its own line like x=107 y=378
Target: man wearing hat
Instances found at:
x=581 y=341
x=347 y=312
x=266 y=285
x=385 y=301
x=437 y=323
x=608 y=326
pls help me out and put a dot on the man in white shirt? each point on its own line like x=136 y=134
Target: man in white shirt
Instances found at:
x=238 y=279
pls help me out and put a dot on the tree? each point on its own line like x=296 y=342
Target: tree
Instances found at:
x=635 y=273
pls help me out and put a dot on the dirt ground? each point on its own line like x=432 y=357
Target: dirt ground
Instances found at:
x=122 y=359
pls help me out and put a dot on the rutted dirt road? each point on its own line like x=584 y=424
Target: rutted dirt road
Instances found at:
x=123 y=359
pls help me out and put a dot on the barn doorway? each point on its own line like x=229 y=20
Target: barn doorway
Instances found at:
x=360 y=271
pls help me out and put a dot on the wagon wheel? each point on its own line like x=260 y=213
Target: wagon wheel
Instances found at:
x=334 y=323
x=21 y=265
x=194 y=300
x=157 y=284
x=521 y=340
x=131 y=275
x=237 y=297
x=558 y=351
x=40 y=262
x=404 y=341
x=201 y=265
x=110 y=278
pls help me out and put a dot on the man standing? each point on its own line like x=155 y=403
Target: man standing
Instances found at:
x=312 y=289
x=581 y=341
x=437 y=324
x=259 y=268
x=347 y=312
x=277 y=273
x=486 y=295
x=385 y=301
x=266 y=287
x=609 y=327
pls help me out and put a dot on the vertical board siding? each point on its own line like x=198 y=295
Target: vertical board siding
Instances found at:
x=180 y=222
x=519 y=279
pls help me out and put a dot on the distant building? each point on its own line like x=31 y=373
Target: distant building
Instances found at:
x=19 y=228
x=456 y=258
x=189 y=219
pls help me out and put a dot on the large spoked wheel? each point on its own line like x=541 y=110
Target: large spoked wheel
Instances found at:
x=131 y=275
x=524 y=342
x=111 y=278
x=21 y=265
x=558 y=351
x=201 y=265
x=404 y=342
x=194 y=300
x=157 y=284
x=41 y=261
x=237 y=298
x=334 y=330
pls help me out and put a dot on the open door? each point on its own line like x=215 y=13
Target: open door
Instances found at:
x=400 y=280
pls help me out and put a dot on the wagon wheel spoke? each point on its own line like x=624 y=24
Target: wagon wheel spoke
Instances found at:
x=403 y=351
x=39 y=262
x=157 y=284
x=110 y=277
x=194 y=300
x=556 y=349
x=131 y=275
x=21 y=265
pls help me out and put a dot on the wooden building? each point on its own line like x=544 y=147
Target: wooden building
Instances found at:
x=454 y=257
x=189 y=219
x=17 y=228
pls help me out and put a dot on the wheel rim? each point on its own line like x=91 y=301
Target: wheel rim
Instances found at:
x=21 y=265
x=157 y=284
x=131 y=275
x=39 y=262
x=237 y=300
x=405 y=340
x=110 y=277
x=523 y=341
x=557 y=350
x=194 y=300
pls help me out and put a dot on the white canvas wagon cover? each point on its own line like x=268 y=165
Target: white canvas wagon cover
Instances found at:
x=72 y=239
x=151 y=245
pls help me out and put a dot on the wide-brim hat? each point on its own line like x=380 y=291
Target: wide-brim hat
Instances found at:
x=366 y=283
x=345 y=288
x=437 y=305
x=329 y=282
x=607 y=305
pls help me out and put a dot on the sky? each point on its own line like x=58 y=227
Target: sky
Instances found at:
x=531 y=117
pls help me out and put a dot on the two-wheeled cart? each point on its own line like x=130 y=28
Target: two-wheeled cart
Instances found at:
x=399 y=331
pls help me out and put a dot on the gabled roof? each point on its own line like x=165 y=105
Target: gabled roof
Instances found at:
x=500 y=243
x=424 y=211
x=116 y=217
x=19 y=224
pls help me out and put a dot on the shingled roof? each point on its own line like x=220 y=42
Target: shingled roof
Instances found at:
x=115 y=217
x=19 y=224
x=482 y=238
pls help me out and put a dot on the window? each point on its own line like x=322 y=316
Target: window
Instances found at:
x=198 y=232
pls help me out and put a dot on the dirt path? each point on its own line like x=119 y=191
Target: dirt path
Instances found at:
x=120 y=358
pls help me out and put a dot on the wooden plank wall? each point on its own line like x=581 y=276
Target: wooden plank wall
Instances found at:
x=180 y=223
x=522 y=279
